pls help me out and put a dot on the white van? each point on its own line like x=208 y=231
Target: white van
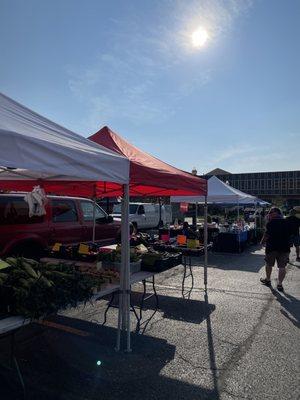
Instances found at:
x=145 y=215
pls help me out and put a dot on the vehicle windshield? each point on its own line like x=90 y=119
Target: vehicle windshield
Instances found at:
x=132 y=208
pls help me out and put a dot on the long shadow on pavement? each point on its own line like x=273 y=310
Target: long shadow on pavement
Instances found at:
x=178 y=308
x=210 y=341
x=290 y=305
x=61 y=364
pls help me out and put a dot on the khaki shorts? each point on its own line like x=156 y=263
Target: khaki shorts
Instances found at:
x=281 y=258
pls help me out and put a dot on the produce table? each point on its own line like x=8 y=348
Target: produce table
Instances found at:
x=187 y=254
x=114 y=289
x=111 y=289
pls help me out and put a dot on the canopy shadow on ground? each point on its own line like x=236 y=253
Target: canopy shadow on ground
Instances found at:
x=57 y=364
x=176 y=308
x=248 y=261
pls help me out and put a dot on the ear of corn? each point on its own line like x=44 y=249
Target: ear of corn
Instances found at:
x=35 y=290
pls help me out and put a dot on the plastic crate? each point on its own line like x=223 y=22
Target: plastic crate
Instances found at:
x=158 y=266
x=163 y=264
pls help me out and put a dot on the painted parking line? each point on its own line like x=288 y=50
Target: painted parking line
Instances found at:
x=65 y=328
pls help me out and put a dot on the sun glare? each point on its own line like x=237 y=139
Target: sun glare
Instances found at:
x=199 y=37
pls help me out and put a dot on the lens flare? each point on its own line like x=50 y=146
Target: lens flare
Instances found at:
x=199 y=37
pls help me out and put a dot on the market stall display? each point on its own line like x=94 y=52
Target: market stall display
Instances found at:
x=152 y=262
x=219 y=192
x=34 y=290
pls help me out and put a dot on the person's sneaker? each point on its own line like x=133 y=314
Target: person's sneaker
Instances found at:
x=280 y=288
x=265 y=282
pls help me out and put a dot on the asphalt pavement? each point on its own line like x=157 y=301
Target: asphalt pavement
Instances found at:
x=236 y=340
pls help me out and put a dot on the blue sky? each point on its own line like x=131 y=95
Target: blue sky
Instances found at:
x=233 y=104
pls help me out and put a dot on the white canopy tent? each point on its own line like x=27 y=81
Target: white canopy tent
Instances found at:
x=218 y=192
x=258 y=202
x=35 y=149
x=41 y=149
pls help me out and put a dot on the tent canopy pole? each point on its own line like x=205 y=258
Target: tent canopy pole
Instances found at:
x=205 y=241
x=124 y=295
x=127 y=267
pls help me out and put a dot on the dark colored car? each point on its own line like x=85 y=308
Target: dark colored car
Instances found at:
x=67 y=220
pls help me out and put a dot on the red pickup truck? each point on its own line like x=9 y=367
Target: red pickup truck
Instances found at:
x=67 y=220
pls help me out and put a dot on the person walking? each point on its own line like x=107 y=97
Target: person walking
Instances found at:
x=277 y=241
x=294 y=225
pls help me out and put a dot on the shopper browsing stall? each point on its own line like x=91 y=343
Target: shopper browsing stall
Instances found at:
x=277 y=241
x=294 y=225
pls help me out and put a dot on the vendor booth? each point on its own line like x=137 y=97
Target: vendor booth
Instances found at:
x=37 y=151
x=231 y=239
x=218 y=192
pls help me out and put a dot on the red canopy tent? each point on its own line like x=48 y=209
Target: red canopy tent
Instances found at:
x=149 y=175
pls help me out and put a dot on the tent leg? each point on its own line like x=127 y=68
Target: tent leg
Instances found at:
x=94 y=213
x=122 y=278
x=127 y=286
x=238 y=225
x=205 y=242
x=255 y=219
x=120 y=314
x=94 y=220
x=124 y=295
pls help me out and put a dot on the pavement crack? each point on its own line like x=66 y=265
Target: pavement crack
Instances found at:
x=195 y=366
x=242 y=349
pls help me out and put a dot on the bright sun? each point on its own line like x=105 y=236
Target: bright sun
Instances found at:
x=199 y=37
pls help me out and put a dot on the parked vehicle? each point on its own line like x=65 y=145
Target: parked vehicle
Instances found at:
x=67 y=220
x=146 y=215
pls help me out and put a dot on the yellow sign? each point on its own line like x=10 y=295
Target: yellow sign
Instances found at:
x=83 y=249
x=193 y=243
x=56 y=247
